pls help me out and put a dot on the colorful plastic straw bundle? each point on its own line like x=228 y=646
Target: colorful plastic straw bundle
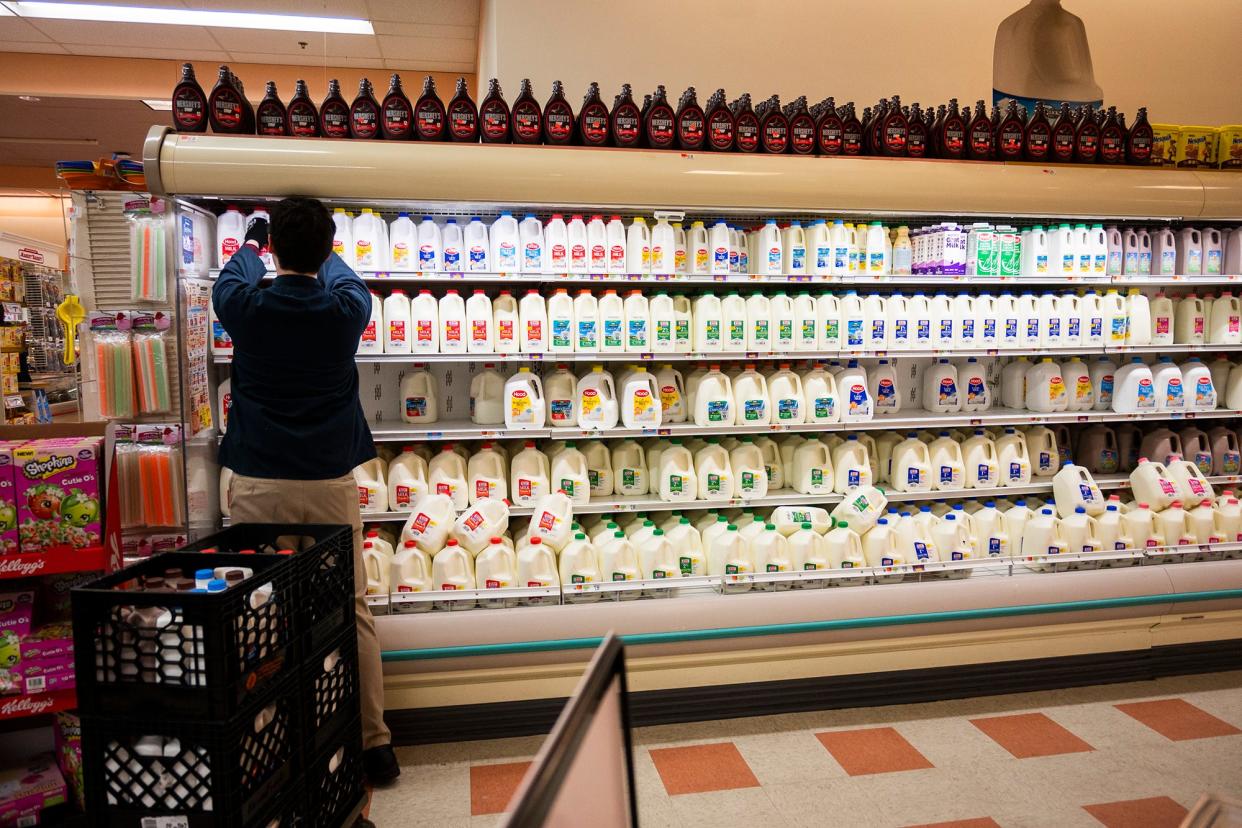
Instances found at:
x=151 y=361
x=161 y=485
x=114 y=369
x=127 y=472
x=148 y=259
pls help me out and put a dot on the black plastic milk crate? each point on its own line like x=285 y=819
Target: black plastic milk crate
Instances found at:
x=184 y=655
x=328 y=685
x=232 y=773
x=324 y=561
x=333 y=779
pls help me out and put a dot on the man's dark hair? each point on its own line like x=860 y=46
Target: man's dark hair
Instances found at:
x=301 y=234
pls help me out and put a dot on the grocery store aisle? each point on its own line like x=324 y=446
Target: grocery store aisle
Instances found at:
x=1123 y=755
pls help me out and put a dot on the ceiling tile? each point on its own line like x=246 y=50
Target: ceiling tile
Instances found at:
x=307 y=60
x=313 y=8
x=430 y=66
x=450 y=12
x=125 y=34
x=383 y=27
x=417 y=50
x=41 y=47
x=289 y=43
x=13 y=28
x=206 y=74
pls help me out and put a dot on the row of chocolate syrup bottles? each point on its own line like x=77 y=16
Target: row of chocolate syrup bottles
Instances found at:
x=1082 y=135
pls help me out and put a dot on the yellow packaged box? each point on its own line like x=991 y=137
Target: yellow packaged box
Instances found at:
x=1165 y=140
x=1229 y=147
x=1197 y=148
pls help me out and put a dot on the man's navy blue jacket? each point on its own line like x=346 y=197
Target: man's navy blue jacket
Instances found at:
x=295 y=413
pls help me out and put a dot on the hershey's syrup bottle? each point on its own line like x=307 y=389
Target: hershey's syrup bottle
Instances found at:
x=869 y=124
x=558 y=117
x=979 y=135
x=691 y=132
x=660 y=125
x=828 y=128
x=1141 y=137
x=1010 y=135
x=334 y=113
x=1087 y=138
x=626 y=121
x=247 y=109
x=851 y=131
x=801 y=127
x=916 y=136
x=396 y=112
x=1112 y=139
x=745 y=125
x=593 y=119
x=1037 y=140
x=495 y=120
x=773 y=127
x=463 y=116
x=955 y=135
x=935 y=128
x=271 y=117
x=527 y=116
x=430 y=122
x=303 y=115
x=189 y=103
x=1063 y=133
x=894 y=130
x=364 y=113
x=224 y=106
x=719 y=123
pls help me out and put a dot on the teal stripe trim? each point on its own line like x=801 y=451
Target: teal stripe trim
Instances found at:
x=677 y=636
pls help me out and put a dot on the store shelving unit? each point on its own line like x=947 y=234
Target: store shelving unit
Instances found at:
x=1004 y=610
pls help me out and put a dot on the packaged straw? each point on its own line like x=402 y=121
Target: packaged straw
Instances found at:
x=151 y=362
x=114 y=363
x=128 y=478
x=147 y=252
x=160 y=475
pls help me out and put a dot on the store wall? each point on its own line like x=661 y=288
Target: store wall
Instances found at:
x=35 y=217
x=1181 y=61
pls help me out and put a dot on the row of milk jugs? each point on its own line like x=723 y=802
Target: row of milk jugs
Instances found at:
x=664 y=323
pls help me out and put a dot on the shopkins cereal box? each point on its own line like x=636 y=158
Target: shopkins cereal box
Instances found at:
x=57 y=485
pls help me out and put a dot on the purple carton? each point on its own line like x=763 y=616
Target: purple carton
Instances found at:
x=57 y=488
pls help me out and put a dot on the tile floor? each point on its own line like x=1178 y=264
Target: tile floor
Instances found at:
x=1123 y=756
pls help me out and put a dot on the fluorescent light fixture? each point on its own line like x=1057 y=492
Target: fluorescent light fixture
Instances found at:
x=188 y=17
x=158 y=105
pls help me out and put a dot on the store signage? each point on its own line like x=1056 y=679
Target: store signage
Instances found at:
x=29 y=254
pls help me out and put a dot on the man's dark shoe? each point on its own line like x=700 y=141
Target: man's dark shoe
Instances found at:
x=380 y=765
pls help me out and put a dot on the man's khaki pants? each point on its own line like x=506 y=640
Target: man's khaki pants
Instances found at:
x=259 y=500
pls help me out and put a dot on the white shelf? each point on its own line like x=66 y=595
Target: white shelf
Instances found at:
x=400 y=277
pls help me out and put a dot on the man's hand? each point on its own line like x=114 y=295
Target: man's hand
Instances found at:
x=256 y=231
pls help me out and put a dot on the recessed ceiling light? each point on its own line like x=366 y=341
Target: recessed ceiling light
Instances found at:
x=188 y=17
x=158 y=105
x=29 y=98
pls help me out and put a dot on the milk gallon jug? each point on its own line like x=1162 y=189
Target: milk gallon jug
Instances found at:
x=407 y=479
x=1013 y=458
x=1101 y=375
x=487 y=475
x=973 y=377
x=629 y=468
x=1197 y=385
x=1042 y=445
x=820 y=391
x=749 y=473
x=570 y=474
x=1074 y=488
x=597 y=400
x=733 y=326
x=677 y=480
x=475 y=527
x=785 y=391
x=419 y=404
x=1151 y=484
x=981 y=461
x=446 y=475
x=1045 y=387
x=948 y=466
x=524 y=400
x=561 y=389
x=1080 y=392
x=579 y=564
x=370 y=342
x=618 y=560
x=884 y=389
x=812 y=469
x=640 y=400
x=1013 y=383
x=856 y=403
x=941 y=394
x=1225 y=325
x=431 y=518
x=1170 y=393
x=505 y=323
x=713 y=399
x=1191 y=484
x=750 y=390
x=529 y=475
x=1190 y=321
x=911 y=468
x=1134 y=389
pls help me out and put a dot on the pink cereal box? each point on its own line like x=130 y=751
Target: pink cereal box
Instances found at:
x=8 y=498
x=27 y=787
x=57 y=490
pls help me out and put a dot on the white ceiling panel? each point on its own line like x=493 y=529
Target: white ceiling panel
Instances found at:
x=288 y=43
x=42 y=47
x=419 y=49
x=16 y=29
x=206 y=75
x=305 y=60
x=451 y=12
x=126 y=34
x=384 y=27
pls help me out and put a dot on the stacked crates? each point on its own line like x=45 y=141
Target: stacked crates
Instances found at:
x=204 y=710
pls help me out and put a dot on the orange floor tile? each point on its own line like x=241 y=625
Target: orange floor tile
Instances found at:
x=1030 y=734
x=702 y=768
x=492 y=786
x=1156 y=812
x=873 y=750
x=1178 y=719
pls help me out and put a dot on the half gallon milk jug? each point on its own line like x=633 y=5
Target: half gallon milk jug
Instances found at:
x=371 y=341
x=663 y=324
x=637 y=322
x=611 y=309
x=759 y=323
x=556 y=245
x=783 y=323
x=793 y=250
x=828 y=316
x=532 y=253
x=1164 y=252
x=638 y=247
x=524 y=401
x=708 y=315
x=640 y=401
x=529 y=475
x=856 y=402
x=597 y=400
x=533 y=312
x=231 y=234
x=477 y=247
x=664 y=248
x=505 y=240
x=1190 y=252
x=586 y=322
x=398 y=329
x=560 y=310
x=1102 y=375
x=419 y=404
x=506 y=323
x=700 y=257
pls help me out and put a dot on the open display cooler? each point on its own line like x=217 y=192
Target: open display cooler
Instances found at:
x=789 y=641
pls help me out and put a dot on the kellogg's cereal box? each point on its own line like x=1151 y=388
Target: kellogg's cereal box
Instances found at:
x=8 y=501
x=58 y=493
